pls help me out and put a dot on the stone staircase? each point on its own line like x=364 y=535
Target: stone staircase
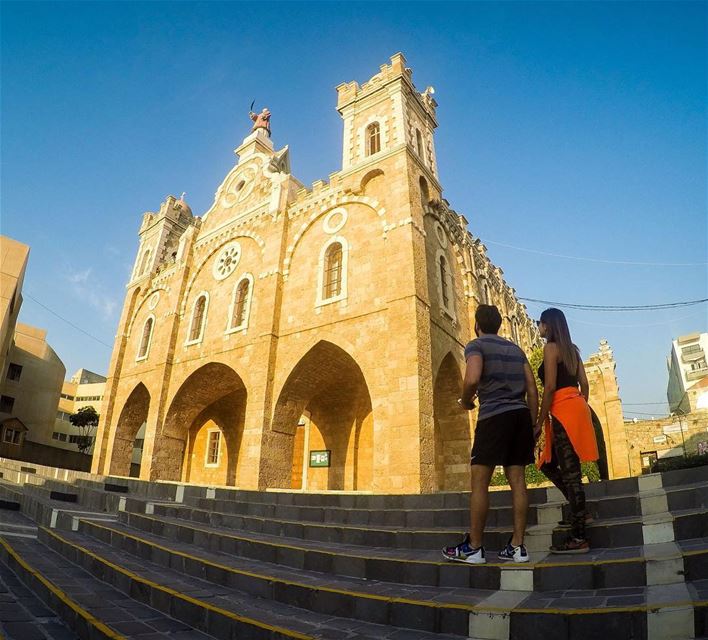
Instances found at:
x=119 y=557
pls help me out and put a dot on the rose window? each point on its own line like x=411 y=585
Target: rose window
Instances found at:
x=227 y=260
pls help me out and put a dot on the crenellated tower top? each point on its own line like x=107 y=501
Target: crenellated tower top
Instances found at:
x=387 y=114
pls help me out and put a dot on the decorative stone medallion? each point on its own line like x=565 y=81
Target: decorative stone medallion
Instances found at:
x=240 y=186
x=154 y=299
x=441 y=235
x=226 y=261
x=335 y=220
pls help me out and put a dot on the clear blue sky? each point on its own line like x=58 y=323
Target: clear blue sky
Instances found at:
x=567 y=127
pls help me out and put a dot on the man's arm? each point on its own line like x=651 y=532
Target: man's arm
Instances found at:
x=473 y=374
x=531 y=393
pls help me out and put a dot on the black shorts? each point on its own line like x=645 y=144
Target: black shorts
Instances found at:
x=504 y=439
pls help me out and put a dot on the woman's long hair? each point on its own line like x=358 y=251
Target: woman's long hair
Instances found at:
x=557 y=331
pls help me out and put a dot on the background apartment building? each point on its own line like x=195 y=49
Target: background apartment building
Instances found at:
x=84 y=389
x=687 y=390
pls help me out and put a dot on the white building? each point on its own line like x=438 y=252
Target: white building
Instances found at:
x=687 y=390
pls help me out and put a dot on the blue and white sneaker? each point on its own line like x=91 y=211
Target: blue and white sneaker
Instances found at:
x=511 y=553
x=464 y=552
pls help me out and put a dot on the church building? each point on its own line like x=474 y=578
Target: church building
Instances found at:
x=308 y=337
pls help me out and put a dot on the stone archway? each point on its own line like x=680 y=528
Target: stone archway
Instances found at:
x=325 y=401
x=132 y=417
x=452 y=429
x=211 y=400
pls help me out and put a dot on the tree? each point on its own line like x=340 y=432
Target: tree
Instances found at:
x=86 y=420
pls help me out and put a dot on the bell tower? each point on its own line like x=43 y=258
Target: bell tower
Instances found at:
x=385 y=115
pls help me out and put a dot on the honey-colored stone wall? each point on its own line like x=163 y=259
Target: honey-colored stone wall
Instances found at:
x=373 y=375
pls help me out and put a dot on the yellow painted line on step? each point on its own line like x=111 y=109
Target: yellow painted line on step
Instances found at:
x=177 y=594
x=251 y=574
x=477 y=609
x=188 y=524
x=73 y=605
x=504 y=565
x=336 y=525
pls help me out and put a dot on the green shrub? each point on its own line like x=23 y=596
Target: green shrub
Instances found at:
x=670 y=464
x=590 y=471
x=535 y=477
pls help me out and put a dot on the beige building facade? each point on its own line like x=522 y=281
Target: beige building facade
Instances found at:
x=13 y=264
x=29 y=392
x=84 y=389
x=308 y=337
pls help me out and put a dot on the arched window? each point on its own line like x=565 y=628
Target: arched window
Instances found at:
x=146 y=338
x=332 y=281
x=373 y=139
x=419 y=144
x=145 y=262
x=514 y=330
x=424 y=192
x=444 y=283
x=196 y=327
x=484 y=292
x=240 y=305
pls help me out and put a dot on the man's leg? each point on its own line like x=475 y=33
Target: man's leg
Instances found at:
x=569 y=465
x=517 y=482
x=479 y=502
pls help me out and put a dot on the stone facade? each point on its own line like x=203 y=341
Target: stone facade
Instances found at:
x=604 y=399
x=292 y=319
x=670 y=437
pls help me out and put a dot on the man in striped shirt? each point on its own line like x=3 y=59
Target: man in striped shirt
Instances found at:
x=499 y=374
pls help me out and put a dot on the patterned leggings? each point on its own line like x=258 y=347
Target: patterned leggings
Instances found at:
x=564 y=471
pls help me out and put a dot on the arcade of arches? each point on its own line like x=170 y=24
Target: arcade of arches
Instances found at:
x=324 y=405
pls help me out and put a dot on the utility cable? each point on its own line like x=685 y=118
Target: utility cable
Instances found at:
x=600 y=260
x=69 y=322
x=610 y=307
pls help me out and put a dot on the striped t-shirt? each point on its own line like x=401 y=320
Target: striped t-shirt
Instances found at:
x=502 y=386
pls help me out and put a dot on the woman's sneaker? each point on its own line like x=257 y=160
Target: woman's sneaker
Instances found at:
x=463 y=552
x=571 y=546
x=514 y=554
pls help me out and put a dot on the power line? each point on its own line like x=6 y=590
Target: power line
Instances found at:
x=634 y=325
x=69 y=322
x=644 y=413
x=600 y=260
x=621 y=308
x=636 y=404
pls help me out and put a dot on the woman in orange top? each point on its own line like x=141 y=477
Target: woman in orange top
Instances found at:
x=565 y=417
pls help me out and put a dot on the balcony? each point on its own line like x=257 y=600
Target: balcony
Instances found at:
x=692 y=353
x=697 y=374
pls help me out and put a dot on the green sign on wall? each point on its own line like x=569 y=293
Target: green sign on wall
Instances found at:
x=320 y=458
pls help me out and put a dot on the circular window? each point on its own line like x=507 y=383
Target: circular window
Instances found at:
x=335 y=220
x=241 y=186
x=441 y=235
x=154 y=299
x=227 y=261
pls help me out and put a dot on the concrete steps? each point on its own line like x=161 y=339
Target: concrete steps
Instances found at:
x=621 y=567
x=89 y=608
x=234 y=564
x=211 y=600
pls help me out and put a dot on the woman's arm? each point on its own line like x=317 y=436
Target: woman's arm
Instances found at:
x=583 y=380
x=550 y=364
